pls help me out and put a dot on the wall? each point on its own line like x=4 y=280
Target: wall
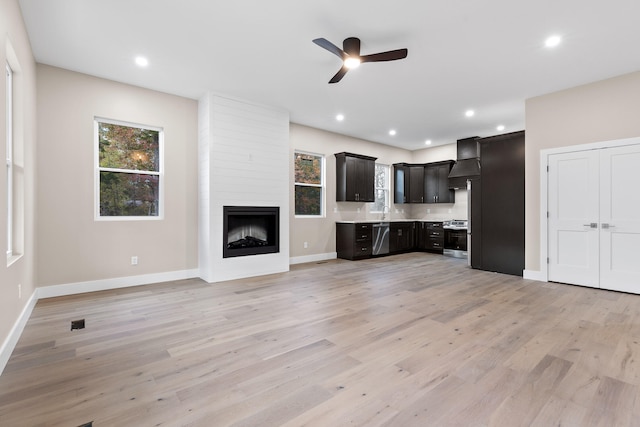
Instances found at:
x=600 y=111
x=72 y=246
x=319 y=233
x=15 y=305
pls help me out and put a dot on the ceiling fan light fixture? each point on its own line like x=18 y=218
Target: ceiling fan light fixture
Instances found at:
x=352 y=62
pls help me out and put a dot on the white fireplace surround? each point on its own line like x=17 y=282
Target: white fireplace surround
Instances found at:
x=243 y=155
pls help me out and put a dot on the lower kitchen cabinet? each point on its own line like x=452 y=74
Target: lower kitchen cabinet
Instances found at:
x=430 y=237
x=353 y=240
x=401 y=236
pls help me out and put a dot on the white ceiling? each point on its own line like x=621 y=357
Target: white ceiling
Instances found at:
x=486 y=55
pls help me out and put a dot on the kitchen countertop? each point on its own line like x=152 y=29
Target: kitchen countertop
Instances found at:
x=376 y=221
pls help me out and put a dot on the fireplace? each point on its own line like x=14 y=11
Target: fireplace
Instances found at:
x=250 y=230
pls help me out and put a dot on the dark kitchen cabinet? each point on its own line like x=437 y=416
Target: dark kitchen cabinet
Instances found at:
x=353 y=240
x=400 y=183
x=355 y=175
x=430 y=236
x=416 y=184
x=401 y=236
x=497 y=205
x=436 y=183
x=408 y=183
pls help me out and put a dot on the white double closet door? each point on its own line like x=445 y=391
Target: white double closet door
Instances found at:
x=594 y=218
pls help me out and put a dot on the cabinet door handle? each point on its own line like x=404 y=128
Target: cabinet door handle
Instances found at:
x=364 y=249
x=607 y=226
x=592 y=225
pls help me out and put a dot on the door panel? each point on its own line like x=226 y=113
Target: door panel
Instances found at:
x=620 y=211
x=573 y=207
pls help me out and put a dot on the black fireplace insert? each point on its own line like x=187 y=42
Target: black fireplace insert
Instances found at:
x=250 y=230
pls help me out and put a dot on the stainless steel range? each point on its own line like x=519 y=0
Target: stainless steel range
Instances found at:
x=455 y=238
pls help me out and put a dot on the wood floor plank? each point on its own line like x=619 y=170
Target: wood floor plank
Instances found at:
x=406 y=340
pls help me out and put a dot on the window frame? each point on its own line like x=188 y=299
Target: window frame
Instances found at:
x=322 y=185
x=9 y=158
x=386 y=188
x=98 y=169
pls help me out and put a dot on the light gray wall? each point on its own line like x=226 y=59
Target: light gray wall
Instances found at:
x=72 y=246
x=15 y=48
x=596 y=112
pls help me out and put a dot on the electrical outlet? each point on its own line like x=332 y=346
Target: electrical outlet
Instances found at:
x=358 y=210
x=449 y=210
x=20 y=291
x=335 y=210
x=306 y=245
x=428 y=210
x=134 y=260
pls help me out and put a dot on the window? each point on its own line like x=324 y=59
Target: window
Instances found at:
x=9 y=152
x=129 y=170
x=381 y=189
x=309 y=184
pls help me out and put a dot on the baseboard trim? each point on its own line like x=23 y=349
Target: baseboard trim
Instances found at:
x=534 y=275
x=9 y=344
x=313 y=258
x=115 y=283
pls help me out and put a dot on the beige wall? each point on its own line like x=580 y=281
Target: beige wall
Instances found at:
x=74 y=247
x=600 y=111
x=15 y=48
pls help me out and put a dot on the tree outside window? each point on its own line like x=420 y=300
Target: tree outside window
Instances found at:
x=309 y=184
x=128 y=170
x=381 y=188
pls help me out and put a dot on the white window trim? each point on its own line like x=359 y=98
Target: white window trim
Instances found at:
x=98 y=169
x=386 y=187
x=322 y=186
x=9 y=159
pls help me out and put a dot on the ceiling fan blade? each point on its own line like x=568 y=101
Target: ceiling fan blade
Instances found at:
x=339 y=75
x=326 y=44
x=351 y=46
x=391 y=55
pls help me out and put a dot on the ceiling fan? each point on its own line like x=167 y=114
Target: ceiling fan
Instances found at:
x=351 y=58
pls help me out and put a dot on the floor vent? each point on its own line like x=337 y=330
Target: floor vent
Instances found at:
x=78 y=324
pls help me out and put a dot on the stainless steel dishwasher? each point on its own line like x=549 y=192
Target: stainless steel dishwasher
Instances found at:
x=380 y=238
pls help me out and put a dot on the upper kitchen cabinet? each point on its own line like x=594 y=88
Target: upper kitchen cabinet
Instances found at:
x=416 y=184
x=436 y=183
x=355 y=175
x=408 y=183
x=400 y=183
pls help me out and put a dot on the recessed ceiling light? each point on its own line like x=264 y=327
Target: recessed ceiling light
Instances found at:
x=392 y=132
x=469 y=113
x=141 y=61
x=427 y=142
x=340 y=117
x=552 y=41
x=500 y=127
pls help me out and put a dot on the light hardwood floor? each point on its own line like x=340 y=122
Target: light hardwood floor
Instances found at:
x=407 y=340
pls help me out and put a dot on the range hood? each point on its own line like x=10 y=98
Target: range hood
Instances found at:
x=468 y=164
